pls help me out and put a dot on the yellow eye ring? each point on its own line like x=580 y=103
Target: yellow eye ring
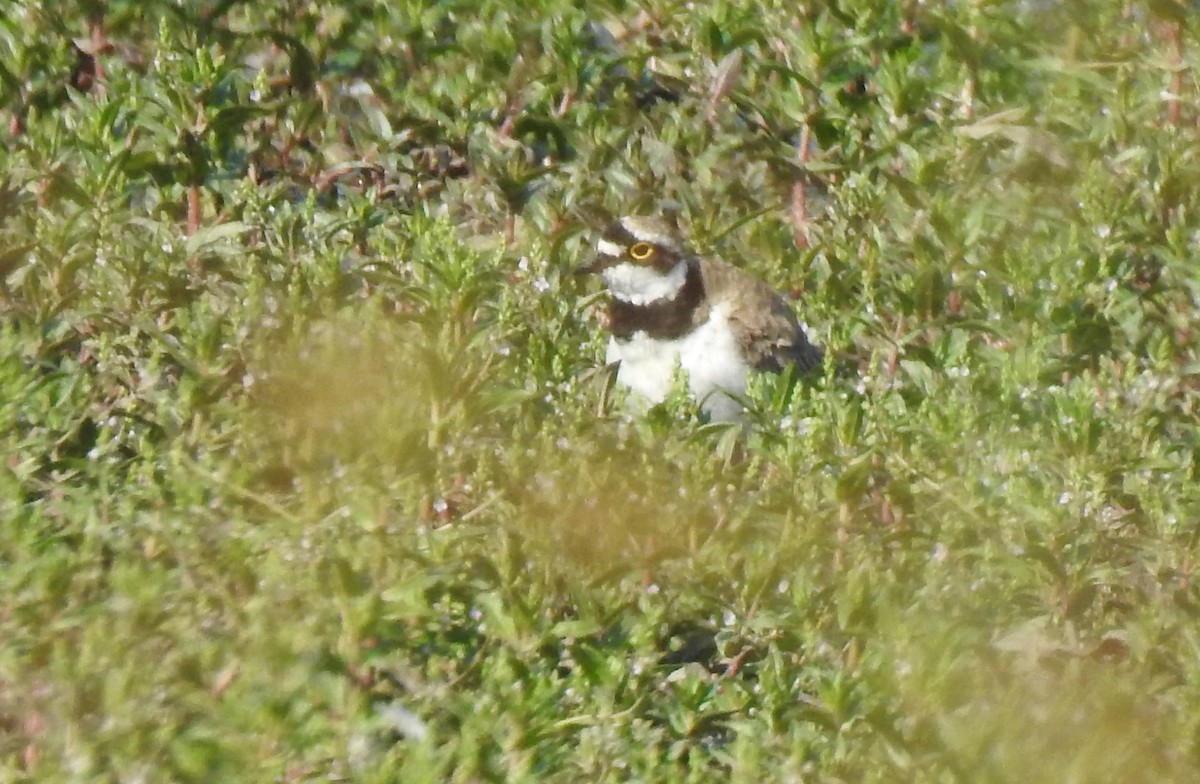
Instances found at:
x=641 y=251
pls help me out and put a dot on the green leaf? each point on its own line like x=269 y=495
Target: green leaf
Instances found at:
x=208 y=236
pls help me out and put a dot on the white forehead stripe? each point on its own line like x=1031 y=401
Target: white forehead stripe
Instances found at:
x=609 y=248
x=655 y=237
x=648 y=231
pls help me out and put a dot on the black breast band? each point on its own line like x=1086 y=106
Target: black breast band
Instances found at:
x=662 y=319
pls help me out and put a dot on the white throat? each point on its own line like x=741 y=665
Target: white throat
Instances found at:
x=639 y=285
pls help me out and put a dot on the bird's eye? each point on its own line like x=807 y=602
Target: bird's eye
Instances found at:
x=641 y=251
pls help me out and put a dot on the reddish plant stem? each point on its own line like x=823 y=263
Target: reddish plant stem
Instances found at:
x=193 y=209
x=510 y=229
x=99 y=45
x=799 y=191
x=735 y=664
x=511 y=113
x=565 y=103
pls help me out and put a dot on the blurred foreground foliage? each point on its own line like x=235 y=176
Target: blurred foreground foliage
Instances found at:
x=309 y=472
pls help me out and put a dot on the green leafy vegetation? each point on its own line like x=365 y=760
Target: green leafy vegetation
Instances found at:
x=311 y=471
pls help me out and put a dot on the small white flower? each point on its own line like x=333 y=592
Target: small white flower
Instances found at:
x=403 y=721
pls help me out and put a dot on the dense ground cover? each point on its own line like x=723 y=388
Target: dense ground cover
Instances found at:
x=307 y=474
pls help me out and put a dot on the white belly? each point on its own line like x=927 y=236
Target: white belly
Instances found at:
x=709 y=355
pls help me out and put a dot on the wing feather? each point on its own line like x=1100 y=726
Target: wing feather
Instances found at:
x=767 y=327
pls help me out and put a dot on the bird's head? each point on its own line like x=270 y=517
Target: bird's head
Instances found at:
x=640 y=259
